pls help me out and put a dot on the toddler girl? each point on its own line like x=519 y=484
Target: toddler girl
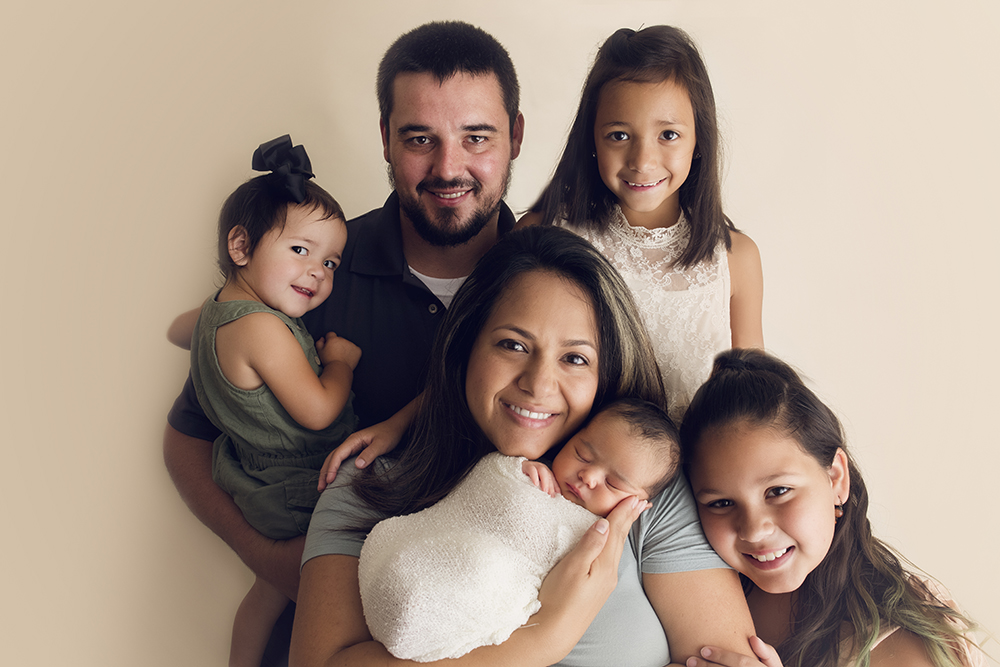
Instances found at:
x=783 y=503
x=281 y=400
x=639 y=178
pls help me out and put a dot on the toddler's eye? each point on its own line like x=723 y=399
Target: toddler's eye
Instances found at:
x=299 y=250
x=777 y=491
x=330 y=264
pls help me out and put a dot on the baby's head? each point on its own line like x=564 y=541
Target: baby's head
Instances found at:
x=283 y=250
x=629 y=448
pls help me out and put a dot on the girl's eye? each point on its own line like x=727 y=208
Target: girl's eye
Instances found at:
x=670 y=135
x=722 y=503
x=576 y=359
x=299 y=250
x=617 y=136
x=330 y=264
x=777 y=491
x=512 y=345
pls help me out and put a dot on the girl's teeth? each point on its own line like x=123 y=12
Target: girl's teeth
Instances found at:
x=771 y=556
x=530 y=415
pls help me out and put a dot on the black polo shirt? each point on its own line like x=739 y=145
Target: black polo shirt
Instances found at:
x=378 y=305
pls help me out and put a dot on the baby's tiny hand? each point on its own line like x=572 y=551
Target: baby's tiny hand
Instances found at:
x=332 y=347
x=541 y=476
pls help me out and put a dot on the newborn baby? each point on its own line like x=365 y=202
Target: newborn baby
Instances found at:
x=466 y=572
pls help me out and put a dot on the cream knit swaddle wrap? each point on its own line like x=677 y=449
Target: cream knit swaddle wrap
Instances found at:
x=465 y=572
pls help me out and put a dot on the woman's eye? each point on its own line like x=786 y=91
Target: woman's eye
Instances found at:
x=512 y=345
x=617 y=136
x=577 y=359
x=330 y=264
x=299 y=250
x=719 y=504
x=670 y=135
x=777 y=491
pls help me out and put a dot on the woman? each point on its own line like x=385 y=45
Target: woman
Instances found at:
x=541 y=333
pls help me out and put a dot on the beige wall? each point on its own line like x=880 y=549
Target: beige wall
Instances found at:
x=862 y=141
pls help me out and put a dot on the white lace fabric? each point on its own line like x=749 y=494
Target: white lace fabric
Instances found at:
x=685 y=310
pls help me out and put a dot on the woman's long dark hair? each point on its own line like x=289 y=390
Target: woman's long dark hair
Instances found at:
x=651 y=55
x=861 y=581
x=446 y=442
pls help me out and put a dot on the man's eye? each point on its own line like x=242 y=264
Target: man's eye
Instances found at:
x=476 y=139
x=420 y=141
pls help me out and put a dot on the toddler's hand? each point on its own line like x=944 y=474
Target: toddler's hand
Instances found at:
x=541 y=476
x=332 y=347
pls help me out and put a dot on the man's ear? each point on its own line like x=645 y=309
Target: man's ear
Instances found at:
x=840 y=476
x=239 y=245
x=383 y=131
x=517 y=136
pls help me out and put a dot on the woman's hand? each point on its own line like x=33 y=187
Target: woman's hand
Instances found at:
x=579 y=585
x=714 y=656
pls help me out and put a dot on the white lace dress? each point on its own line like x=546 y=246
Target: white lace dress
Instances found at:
x=686 y=310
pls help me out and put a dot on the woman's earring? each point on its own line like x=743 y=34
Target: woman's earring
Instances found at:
x=838 y=511
x=594 y=154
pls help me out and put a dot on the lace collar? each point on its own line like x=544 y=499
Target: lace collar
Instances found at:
x=660 y=237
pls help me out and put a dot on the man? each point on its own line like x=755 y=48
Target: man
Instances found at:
x=450 y=128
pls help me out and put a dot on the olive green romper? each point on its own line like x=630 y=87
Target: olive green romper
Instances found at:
x=264 y=459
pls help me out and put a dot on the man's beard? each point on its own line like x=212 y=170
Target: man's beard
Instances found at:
x=443 y=234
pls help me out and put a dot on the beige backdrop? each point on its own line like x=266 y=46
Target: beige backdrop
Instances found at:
x=862 y=148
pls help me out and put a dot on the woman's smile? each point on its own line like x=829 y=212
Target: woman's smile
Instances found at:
x=532 y=372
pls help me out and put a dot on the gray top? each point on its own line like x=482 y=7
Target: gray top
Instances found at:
x=666 y=538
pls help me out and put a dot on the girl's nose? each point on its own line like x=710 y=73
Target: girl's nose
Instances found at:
x=755 y=525
x=642 y=157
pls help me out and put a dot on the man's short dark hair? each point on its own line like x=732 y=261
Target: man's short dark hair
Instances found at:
x=445 y=48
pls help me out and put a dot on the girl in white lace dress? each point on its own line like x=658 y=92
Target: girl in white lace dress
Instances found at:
x=639 y=178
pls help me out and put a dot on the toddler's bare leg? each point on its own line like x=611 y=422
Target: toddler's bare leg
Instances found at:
x=254 y=621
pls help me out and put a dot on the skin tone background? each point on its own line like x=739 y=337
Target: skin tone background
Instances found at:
x=861 y=146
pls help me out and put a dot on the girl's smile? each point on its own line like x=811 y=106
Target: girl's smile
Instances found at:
x=644 y=134
x=291 y=269
x=766 y=506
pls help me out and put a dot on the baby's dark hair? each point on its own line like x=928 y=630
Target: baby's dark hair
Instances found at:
x=657 y=432
x=258 y=207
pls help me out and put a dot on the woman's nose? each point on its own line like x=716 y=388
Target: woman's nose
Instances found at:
x=538 y=378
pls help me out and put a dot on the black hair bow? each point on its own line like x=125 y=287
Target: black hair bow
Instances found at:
x=289 y=165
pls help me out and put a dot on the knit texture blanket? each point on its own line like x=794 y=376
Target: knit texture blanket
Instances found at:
x=465 y=572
